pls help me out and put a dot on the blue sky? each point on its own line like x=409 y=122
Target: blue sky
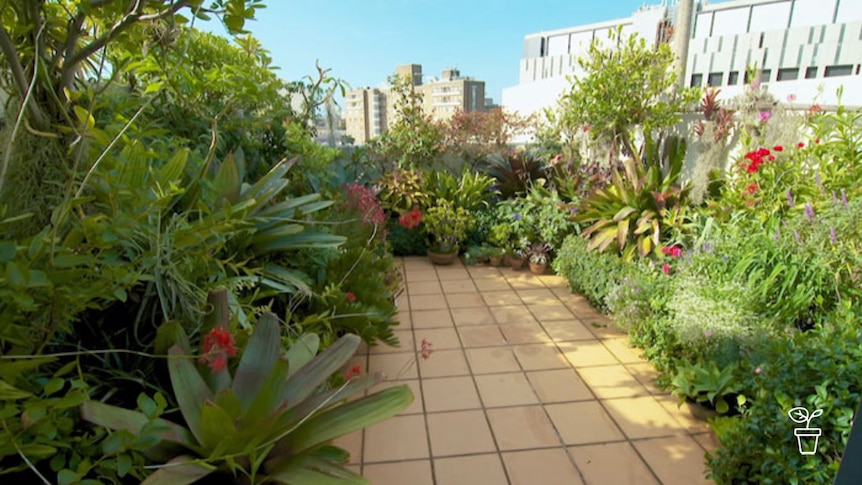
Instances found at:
x=363 y=41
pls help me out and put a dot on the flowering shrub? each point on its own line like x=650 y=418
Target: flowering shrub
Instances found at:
x=364 y=200
x=411 y=219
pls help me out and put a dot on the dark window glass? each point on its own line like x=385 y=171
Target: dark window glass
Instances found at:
x=811 y=72
x=696 y=79
x=715 y=79
x=733 y=78
x=833 y=71
x=788 y=74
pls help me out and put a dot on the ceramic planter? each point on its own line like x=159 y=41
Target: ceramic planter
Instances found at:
x=442 y=258
x=516 y=263
x=538 y=268
x=496 y=261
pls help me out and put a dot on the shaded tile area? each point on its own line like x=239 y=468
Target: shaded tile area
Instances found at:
x=524 y=383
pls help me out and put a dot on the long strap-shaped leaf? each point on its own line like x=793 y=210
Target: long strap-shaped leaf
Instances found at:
x=189 y=387
x=179 y=471
x=257 y=360
x=309 y=470
x=307 y=379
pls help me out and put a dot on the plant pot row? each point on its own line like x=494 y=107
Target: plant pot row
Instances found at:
x=517 y=264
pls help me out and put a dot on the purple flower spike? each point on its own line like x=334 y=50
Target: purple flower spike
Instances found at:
x=834 y=198
x=797 y=236
x=844 y=199
x=809 y=212
x=817 y=180
x=833 y=236
x=789 y=195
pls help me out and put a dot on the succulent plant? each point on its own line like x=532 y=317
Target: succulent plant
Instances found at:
x=271 y=422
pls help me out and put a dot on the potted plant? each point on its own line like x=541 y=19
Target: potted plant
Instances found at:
x=447 y=226
x=500 y=237
x=539 y=258
x=495 y=256
x=708 y=391
x=516 y=259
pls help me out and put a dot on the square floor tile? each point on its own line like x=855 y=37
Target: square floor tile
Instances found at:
x=403 y=319
x=524 y=333
x=413 y=472
x=424 y=288
x=682 y=414
x=586 y=353
x=459 y=433
x=674 y=460
x=492 y=284
x=459 y=286
x=440 y=338
x=603 y=328
x=481 y=336
x=469 y=470
x=646 y=374
x=643 y=417
x=472 y=316
x=452 y=275
x=501 y=298
x=431 y=318
x=465 y=300
x=419 y=275
x=554 y=281
x=540 y=356
x=624 y=352
x=402 y=302
x=512 y=314
x=568 y=330
x=565 y=294
x=405 y=341
x=546 y=467
x=707 y=441
x=522 y=428
x=444 y=363
x=583 y=422
x=550 y=312
x=483 y=272
x=505 y=390
x=416 y=406
x=613 y=463
x=398 y=438
x=351 y=443
x=428 y=302
x=538 y=296
x=559 y=385
x=395 y=367
x=450 y=394
x=612 y=381
x=524 y=281
x=492 y=360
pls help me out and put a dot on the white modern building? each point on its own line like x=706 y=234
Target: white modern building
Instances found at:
x=805 y=49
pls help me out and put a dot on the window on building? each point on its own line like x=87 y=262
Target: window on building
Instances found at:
x=811 y=72
x=733 y=78
x=843 y=70
x=715 y=79
x=765 y=75
x=789 y=74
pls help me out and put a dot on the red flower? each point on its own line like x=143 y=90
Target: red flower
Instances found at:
x=752 y=168
x=772 y=158
x=350 y=297
x=411 y=219
x=353 y=372
x=778 y=148
x=587 y=128
x=665 y=268
x=675 y=252
x=763 y=152
x=426 y=349
x=817 y=141
x=800 y=145
x=752 y=188
x=217 y=346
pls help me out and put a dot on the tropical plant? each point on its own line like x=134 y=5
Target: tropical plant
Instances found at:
x=640 y=204
x=402 y=190
x=267 y=422
x=539 y=253
x=709 y=386
x=470 y=191
x=515 y=171
x=447 y=226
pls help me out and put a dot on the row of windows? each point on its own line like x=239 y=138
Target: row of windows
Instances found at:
x=786 y=74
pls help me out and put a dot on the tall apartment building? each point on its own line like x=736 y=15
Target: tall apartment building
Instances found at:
x=369 y=111
x=806 y=50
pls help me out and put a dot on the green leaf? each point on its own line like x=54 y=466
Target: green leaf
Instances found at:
x=124 y=464
x=307 y=379
x=189 y=387
x=182 y=470
x=10 y=393
x=7 y=251
x=257 y=360
x=217 y=430
x=117 y=418
x=227 y=180
x=302 y=351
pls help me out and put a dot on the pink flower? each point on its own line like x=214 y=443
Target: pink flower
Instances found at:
x=791 y=98
x=758 y=370
x=350 y=296
x=426 y=349
x=665 y=268
x=764 y=116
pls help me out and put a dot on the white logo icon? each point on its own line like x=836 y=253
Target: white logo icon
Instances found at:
x=800 y=415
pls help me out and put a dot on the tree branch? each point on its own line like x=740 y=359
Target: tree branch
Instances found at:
x=133 y=16
x=18 y=76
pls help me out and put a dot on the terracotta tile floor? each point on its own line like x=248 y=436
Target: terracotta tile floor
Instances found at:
x=526 y=385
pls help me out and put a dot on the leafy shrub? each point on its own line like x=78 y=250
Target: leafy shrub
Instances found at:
x=406 y=242
x=470 y=191
x=515 y=172
x=447 y=225
x=591 y=273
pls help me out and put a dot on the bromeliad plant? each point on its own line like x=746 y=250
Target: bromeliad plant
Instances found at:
x=269 y=422
x=641 y=203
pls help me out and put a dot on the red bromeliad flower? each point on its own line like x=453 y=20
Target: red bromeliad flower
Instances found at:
x=353 y=372
x=217 y=346
x=411 y=219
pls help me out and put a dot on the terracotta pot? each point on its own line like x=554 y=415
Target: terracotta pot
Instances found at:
x=516 y=263
x=538 y=268
x=442 y=258
x=496 y=261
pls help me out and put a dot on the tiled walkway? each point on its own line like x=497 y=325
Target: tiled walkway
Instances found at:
x=526 y=385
